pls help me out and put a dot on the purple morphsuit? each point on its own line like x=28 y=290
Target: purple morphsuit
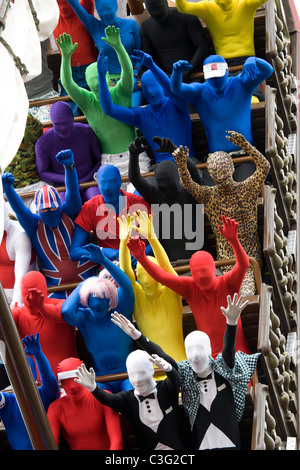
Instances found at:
x=67 y=134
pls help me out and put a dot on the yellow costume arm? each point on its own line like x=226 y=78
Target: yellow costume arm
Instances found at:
x=124 y=254
x=196 y=9
x=146 y=228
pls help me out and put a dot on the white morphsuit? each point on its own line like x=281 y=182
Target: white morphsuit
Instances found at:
x=140 y=372
x=19 y=250
x=198 y=352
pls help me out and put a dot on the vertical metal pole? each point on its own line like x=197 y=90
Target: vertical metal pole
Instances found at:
x=22 y=381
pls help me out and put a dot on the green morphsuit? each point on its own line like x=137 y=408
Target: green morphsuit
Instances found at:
x=114 y=135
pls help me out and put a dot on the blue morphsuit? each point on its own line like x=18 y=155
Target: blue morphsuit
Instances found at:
x=107 y=11
x=51 y=230
x=223 y=102
x=107 y=345
x=165 y=115
x=49 y=391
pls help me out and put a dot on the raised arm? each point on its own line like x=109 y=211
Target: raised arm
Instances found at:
x=179 y=284
x=125 y=291
x=50 y=388
x=26 y=218
x=126 y=81
x=255 y=71
x=89 y=21
x=70 y=309
x=263 y=167
x=145 y=189
x=72 y=204
x=161 y=77
x=77 y=94
x=125 y=225
x=229 y=230
x=49 y=310
x=145 y=227
x=121 y=113
x=196 y=9
x=187 y=91
x=232 y=314
x=144 y=343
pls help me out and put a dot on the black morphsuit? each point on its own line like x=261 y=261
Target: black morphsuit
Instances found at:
x=168 y=36
x=167 y=189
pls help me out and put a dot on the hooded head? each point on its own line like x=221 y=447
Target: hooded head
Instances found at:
x=99 y=294
x=107 y=11
x=203 y=270
x=66 y=373
x=48 y=205
x=215 y=70
x=152 y=91
x=198 y=352
x=109 y=182
x=149 y=285
x=140 y=372
x=220 y=167
x=32 y=280
x=62 y=119
x=157 y=9
x=167 y=178
x=65 y=10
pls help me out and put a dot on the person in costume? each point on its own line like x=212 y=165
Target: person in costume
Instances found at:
x=230 y=198
x=51 y=230
x=168 y=192
x=165 y=114
x=151 y=407
x=16 y=258
x=231 y=27
x=213 y=391
x=128 y=27
x=169 y=36
x=84 y=423
x=23 y=165
x=157 y=309
x=99 y=214
x=114 y=136
x=205 y=292
x=86 y=52
x=49 y=391
x=41 y=314
x=89 y=308
x=67 y=134
x=222 y=103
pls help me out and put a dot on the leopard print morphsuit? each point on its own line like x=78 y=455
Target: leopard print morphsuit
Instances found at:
x=230 y=198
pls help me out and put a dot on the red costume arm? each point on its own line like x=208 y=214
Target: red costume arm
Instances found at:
x=113 y=427
x=234 y=278
x=54 y=421
x=179 y=284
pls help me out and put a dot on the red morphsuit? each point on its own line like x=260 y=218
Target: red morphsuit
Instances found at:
x=43 y=315
x=82 y=420
x=205 y=292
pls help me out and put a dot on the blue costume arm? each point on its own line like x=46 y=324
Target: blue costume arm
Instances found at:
x=254 y=72
x=121 y=113
x=50 y=388
x=89 y=21
x=26 y=218
x=72 y=204
x=79 y=239
x=70 y=309
x=125 y=291
x=162 y=78
x=187 y=91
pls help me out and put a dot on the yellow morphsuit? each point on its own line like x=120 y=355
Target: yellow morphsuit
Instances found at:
x=157 y=309
x=230 y=24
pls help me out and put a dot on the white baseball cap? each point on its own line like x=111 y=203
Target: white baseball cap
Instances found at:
x=215 y=69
